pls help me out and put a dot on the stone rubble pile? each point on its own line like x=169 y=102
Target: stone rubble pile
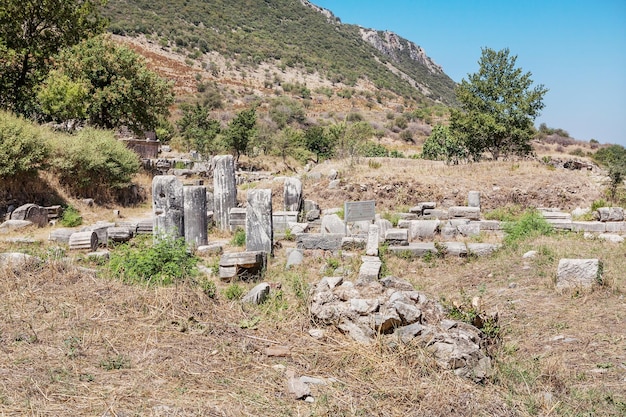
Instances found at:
x=391 y=309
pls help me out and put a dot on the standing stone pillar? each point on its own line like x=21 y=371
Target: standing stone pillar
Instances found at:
x=293 y=194
x=259 y=226
x=195 y=215
x=167 y=206
x=473 y=199
x=224 y=190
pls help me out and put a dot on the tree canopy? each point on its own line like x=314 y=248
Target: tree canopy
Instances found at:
x=107 y=84
x=240 y=131
x=32 y=31
x=498 y=107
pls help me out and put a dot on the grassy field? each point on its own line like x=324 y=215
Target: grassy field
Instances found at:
x=77 y=343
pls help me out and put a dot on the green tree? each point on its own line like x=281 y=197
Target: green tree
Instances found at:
x=23 y=149
x=613 y=158
x=240 y=131
x=319 y=142
x=441 y=145
x=287 y=141
x=120 y=88
x=498 y=107
x=31 y=32
x=198 y=129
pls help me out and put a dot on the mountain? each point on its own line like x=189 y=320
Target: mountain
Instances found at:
x=285 y=34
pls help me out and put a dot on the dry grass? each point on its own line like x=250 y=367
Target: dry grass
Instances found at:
x=75 y=344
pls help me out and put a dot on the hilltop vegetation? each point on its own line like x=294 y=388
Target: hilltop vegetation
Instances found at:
x=281 y=32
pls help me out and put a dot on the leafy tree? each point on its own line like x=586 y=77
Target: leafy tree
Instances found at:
x=317 y=141
x=198 y=129
x=613 y=157
x=31 y=32
x=356 y=136
x=441 y=145
x=284 y=111
x=240 y=131
x=120 y=88
x=287 y=141
x=498 y=107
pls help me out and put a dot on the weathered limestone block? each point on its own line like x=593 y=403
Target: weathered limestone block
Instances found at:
x=237 y=218
x=84 y=240
x=594 y=227
x=331 y=223
x=102 y=230
x=560 y=224
x=353 y=243
x=259 y=226
x=327 y=241
x=61 y=235
x=224 y=190
x=397 y=237
x=370 y=269
x=258 y=294
x=292 y=194
x=611 y=237
x=436 y=214
x=489 y=225
x=119 y=234
x=145 y=227
x=294 y=258
x=472 y=213
x=371 y=248
x=616 y=227
x=471 y=229
x=383 y=226
x=194 y=209
x=18 y=260
x=609 y=214
x=556 y=215
x=282 y=219
x=414 y=249
x=423 y=229
x=12 y=224
x=578 y=273
x=473 y=199
x=33 y=213
x=167 y=206
x=245 y=265
x=455 y=248
x=482 y=249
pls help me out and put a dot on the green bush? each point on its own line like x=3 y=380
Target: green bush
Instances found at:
x=239 y=238
x=92 y=161
x=530 y=224
x=233 y=292
x=71 y=217
x=22 y=147
x=163 y=263
x=373 y=150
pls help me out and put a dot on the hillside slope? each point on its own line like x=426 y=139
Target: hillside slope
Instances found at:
x=284 y=34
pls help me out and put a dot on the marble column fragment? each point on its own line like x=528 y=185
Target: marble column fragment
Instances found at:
x=259 y=227
x=224 y=190
x=195 y=215
x=167 y=206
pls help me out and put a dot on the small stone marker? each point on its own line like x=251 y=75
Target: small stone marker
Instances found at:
x=473 y=199
x=31 y=212
x=371 y=249
x=244 y=265
x=472 y=213
x=258 y=294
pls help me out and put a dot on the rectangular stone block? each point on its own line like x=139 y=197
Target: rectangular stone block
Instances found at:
x=259 y=229
x=560 y=224
x=578 y=273
x=616 y=227
x=370 y=269
x=371 y=248
x=455 y=248
x=489 y=225
x=472 y=213
x=243 y=265
x=415 y=249
x=328 y=241
x=594 y=227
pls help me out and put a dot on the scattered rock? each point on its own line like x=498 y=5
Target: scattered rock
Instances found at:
x=578 y=273
x=258 y=294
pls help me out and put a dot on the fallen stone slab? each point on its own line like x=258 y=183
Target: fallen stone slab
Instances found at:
x=212 y=248
x=18 y=259
x=120 y=234
x=11 y=225
x=328 y=241
x=294 y=258
x=560 y=224
x=258 y=294
x=489 y=225
x=482 y=249
x=101 y=228
x=472 y=213
x=595 y=227
x=61 y=235
x=559 y=215
x=578 y=273
x=332 y=224
x=616 y=227
x=371 y=248
x=611 y=237
x=353 y=243
x=416 y=249
x=244 y=265
x=455 y=248
x=145 y=226
x=471 y=229
x=436 y=214
x=397 y=237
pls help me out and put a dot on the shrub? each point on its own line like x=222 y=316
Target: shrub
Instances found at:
x=239 y=238
x=530 y=224
x=22 y=148
x=373 y=150
x=160 y=264
x=92 y=161
x=71 y=217
x=233 y=292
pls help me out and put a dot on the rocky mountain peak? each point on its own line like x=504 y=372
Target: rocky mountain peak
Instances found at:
x=394 y=46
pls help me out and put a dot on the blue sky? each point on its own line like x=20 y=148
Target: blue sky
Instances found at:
x=577 y=49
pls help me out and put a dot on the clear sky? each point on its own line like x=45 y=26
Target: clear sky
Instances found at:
x=575 y=48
